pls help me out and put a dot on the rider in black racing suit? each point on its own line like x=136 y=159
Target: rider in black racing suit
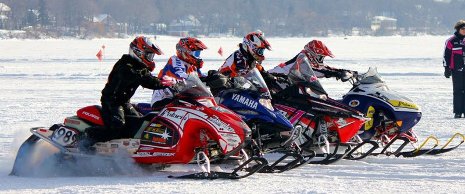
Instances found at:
x=130 y=72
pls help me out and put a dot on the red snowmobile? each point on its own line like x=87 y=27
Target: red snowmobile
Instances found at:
x=191 y=129
x=326 y=125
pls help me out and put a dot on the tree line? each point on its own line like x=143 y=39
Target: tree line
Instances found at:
x=275 y=17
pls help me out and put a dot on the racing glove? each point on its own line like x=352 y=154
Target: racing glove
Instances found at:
x=346 y=75
x=168 y=81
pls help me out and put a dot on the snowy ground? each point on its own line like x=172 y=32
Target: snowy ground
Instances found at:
x=43 y=81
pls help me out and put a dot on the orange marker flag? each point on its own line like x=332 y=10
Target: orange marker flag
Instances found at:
x=99 y=55
x=220 y=51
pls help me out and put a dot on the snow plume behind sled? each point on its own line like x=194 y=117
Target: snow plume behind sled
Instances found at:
x=44 y=160
x=38 y=158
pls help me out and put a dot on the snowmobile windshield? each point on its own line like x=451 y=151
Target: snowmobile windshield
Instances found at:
x=192 y=87
x=301 y=73
x=371 y=77
x=252 y=81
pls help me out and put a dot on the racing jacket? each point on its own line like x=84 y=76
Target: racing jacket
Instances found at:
x=125 y=77
x=454 y=52
x=175 y=68
x=320 y=70
x=178 y=69
x=241 y=62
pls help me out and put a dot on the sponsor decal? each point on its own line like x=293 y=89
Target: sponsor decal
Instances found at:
x=146 y=148
x=246 y=101
x=370 y=114
x=72 y=121
x=158 y=154
x=173 y=115
x=222 y=126
x=159 y=140
x=402 y=104
x=159 y=135
x=162 y=154
x=91 y=115
x=354 y=103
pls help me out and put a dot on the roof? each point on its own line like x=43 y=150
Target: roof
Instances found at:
x=384 y=18
x=100 y=18
x=4 y=7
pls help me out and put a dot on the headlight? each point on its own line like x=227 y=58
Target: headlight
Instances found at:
x=266 y=103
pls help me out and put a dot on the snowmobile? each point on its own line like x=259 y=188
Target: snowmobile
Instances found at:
x=249 y=97
x=191 y=129
x=393 y=117
x=326 y=125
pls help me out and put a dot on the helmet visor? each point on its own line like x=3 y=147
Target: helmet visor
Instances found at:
x=196 y=53
x=260 y=51
x=149 y=56
x=320 y=58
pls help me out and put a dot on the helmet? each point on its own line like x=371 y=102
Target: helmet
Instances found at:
x=188 y=49
x=317 y=50
x=255 y=44
x=459 y=24
x=143 y=50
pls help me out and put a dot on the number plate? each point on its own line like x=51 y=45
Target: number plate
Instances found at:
x=64 y=136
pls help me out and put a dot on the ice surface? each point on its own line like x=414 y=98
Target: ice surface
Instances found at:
x=43 y=81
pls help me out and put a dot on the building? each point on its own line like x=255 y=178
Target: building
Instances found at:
x=384 y=26
x=102 y=25
x=5 y=13
x=187 y=26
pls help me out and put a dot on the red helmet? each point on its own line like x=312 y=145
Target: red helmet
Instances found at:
x=317 y=50
x=143 y=50
x=255 y=43
x=188 y=49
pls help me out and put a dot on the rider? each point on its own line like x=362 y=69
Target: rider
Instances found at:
x=315 y=51
x=130 y=72
x=178 y=67
x=248 y=56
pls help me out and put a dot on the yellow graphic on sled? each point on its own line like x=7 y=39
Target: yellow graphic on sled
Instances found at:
x=370 y=113
x=403 y=104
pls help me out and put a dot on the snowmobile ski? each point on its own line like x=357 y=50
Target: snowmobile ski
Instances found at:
x=352 y=156
x=260 y=163
x=276 y=168
x=444 y=148
x=333 y=157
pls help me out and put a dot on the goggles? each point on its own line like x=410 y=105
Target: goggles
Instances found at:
x=149 y=56
x=196 y=53
x=320 y=58
x=260 y=51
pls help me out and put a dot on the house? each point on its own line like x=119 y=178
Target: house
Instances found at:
x=184 y=27
x=102 y=25
x=381 y=25
x=5 y=12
